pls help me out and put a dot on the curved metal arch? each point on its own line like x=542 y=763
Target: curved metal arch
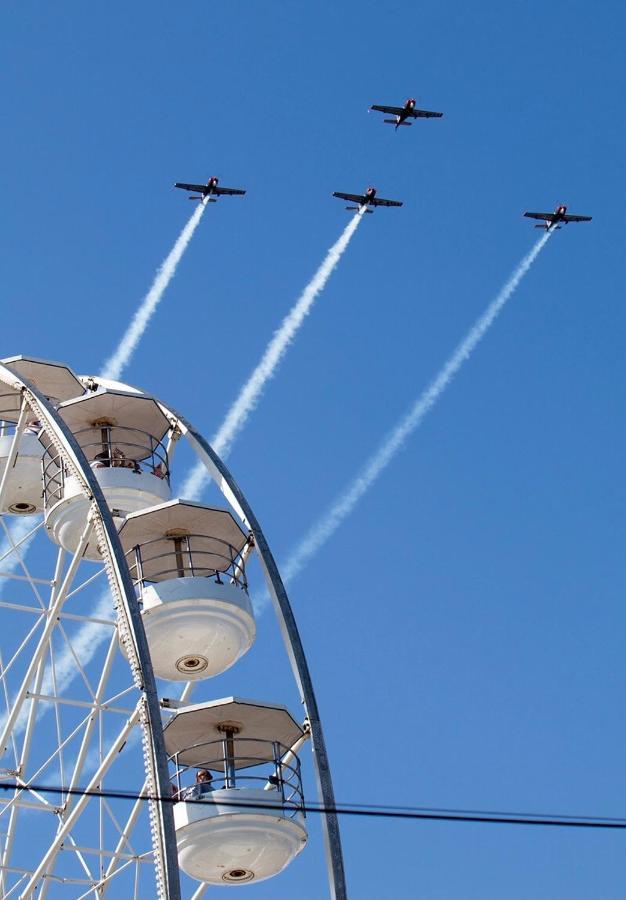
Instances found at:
x=120 y=582
x=293 y=644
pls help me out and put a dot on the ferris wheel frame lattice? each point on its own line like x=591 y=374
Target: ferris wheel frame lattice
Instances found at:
x=101 y=845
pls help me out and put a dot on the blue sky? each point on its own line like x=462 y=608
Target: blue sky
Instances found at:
x=465 y=627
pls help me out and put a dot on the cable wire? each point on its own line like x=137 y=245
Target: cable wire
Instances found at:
x=360 y=810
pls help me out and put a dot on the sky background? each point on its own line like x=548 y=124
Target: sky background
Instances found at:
x=465 y=628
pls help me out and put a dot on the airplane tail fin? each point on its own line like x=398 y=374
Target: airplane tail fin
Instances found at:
x=542 y=226
x=195 y=198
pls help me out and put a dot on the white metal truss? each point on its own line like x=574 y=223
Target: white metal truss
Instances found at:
x=71 y=703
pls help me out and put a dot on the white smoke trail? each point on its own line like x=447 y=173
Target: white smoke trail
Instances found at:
x=251 y=391
x=341 y=509
x=121 y=357
x=91 y=635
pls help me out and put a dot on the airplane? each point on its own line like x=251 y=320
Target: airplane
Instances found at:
x=553 y=219
x=369 y=198
x=208 y=189
x=402 y=113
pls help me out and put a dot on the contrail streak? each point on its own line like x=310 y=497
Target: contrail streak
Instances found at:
x=91 y=635
x=341 y=509
x=250 y=393
x=116 y=363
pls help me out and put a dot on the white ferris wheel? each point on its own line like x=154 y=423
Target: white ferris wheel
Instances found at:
x=110 y=590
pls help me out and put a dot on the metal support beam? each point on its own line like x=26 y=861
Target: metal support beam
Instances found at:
x=56 y=602
x=80 y=804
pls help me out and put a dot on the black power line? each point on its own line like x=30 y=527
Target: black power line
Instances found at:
x=416 y=813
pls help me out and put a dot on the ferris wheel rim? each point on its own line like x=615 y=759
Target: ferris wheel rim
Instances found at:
x=120 y=583
x=229 y=487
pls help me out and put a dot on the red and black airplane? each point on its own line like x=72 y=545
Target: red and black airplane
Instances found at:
x=369 y=198
x=553 y=220
x=407 y=111
x=209 y=191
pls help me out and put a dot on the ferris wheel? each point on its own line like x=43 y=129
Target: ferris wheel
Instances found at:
x=110 y=587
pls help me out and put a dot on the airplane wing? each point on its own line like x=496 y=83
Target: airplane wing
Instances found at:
x=380 y=201
x=424 y=114
x=568 y=218
x=223 y=190
x=393 y=110
x=200 y=188
x=545 y=217
x=353 y=198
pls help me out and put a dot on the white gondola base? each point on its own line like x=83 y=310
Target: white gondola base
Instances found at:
x=24 y=493
x=223 y=845
x=124 y=491
x=195 y=627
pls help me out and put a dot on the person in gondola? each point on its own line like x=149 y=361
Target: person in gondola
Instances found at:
x=202 y=786
x=204 y=782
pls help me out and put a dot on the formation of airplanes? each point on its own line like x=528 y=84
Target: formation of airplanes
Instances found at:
x=209 y=192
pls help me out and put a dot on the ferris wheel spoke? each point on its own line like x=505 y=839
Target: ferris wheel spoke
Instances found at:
x=69 y=655
x=57 y=715
x=56 y=602
x=13 y=577
x=7 y=704
x=25 y=785
x=129 y=860
x=12 y=891
x=124 y=840
x=14 y=546
x=20 y=767
x=89 y=581
x=113 y=699
x=79 y=853
x=16 y=549
x=85 y=743
x=68 y=824
x=118 y=826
